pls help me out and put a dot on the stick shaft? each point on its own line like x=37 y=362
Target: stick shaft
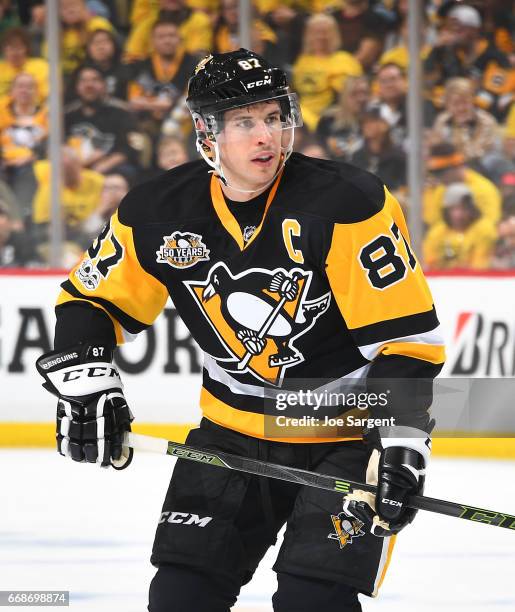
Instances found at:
x=265 y=327
x=310 y=479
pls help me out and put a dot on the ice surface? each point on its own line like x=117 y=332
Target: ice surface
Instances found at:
x=90 y=531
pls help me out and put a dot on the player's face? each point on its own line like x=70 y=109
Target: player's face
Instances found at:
x=250 y=144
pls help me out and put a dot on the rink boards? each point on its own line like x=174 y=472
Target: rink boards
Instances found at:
x=161 y=368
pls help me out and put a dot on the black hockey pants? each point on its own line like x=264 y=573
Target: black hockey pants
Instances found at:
x=185 y=589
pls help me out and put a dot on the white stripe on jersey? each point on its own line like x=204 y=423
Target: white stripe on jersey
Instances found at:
x=370 y=351
x=216 y=372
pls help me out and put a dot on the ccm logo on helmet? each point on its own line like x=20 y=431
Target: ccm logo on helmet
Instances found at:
x=184 y=518
x=266 y=81
x=91 y=372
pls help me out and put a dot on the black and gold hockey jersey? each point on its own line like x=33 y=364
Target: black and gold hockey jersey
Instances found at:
x=326 y=287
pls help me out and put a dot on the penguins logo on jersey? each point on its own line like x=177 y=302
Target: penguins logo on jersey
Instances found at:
x=182 y=250
x=202 y=64
x=257 y=315
x=105 y=253
x=345 y=529
x=88 y=275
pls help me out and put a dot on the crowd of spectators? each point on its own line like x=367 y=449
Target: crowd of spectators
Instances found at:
x=125 y=66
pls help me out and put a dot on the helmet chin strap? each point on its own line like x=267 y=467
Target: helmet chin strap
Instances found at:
x=216 y=164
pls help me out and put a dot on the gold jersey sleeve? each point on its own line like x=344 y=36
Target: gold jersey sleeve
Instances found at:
x=111 y=277
x=380 y=288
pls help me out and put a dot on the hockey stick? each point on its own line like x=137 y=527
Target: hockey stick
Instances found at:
x=310 y=479
x=242 y=364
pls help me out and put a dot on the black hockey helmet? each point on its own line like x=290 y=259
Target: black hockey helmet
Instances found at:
x=227 y=80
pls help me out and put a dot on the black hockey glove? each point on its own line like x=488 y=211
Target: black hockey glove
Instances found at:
x=92 y=414
x=397 y=466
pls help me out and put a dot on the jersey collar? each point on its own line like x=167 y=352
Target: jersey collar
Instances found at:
x=226 y=217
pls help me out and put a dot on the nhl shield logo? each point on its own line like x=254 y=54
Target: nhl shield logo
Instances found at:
x=182 y=250
x=345 y=529
x=257 y=315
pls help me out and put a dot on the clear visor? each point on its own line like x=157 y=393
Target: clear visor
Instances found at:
x=270 y=115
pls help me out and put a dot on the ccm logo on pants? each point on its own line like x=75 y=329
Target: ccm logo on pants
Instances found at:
x=184 y=518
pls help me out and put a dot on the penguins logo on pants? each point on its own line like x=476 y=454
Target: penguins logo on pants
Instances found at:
x=345 y=529
x=257 y=315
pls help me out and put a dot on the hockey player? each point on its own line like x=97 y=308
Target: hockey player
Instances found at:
x=283 y=268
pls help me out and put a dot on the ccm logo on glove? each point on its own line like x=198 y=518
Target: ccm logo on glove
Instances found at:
x=91 y=372
x=392 y=502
